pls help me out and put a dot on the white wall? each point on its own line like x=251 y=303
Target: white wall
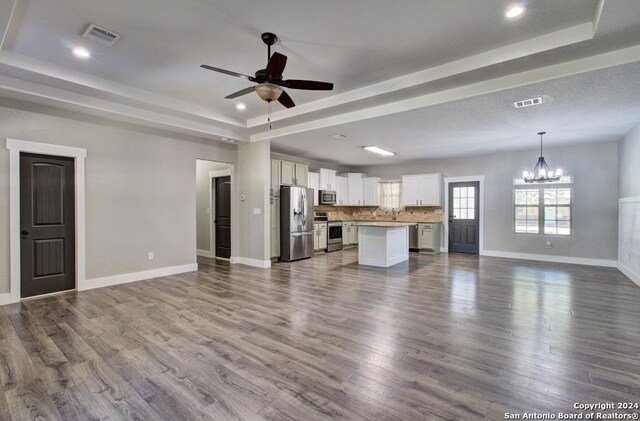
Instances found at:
x=204 y=210
x=629 y=213
x=595 y=209
x=140 y=191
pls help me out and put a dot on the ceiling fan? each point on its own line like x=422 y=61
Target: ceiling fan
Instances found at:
x=269 y=80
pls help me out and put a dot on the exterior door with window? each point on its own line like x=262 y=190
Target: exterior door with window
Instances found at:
x=464 y=217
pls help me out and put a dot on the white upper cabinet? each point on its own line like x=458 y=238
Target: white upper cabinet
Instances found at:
x=327 y=179
x=371 y=191
x=313 y=181
x=301 y=174
x=355 y=186
x=342 y=190
x=422 y=190
x=288 y=173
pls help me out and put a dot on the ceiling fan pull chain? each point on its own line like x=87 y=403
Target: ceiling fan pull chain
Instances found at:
x=269 y=114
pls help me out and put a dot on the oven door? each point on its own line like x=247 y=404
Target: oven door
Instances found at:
x=335 y=234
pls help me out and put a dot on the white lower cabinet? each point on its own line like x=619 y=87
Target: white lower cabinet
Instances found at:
x=319 y=236
x=429 y=236
x=349 y=233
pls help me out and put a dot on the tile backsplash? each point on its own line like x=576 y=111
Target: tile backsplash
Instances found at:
x=356 y=213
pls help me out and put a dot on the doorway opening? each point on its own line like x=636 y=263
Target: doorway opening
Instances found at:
x=213 y=208
x=464 y=214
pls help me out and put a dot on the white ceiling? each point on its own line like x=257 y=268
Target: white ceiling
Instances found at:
x=423 y=77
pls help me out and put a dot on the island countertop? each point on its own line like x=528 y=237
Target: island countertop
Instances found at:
x=384 y=224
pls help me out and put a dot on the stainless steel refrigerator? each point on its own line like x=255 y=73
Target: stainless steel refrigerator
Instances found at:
x=296 y=223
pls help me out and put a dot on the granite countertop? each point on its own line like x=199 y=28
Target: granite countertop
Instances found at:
x=389 y=224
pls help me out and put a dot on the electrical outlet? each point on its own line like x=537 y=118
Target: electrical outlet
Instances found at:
x=150 y=255
x=257 y=211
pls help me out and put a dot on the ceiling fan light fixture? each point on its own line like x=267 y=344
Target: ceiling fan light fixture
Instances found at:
x=268 y=91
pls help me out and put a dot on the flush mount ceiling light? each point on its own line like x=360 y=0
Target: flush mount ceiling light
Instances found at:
x=81 y=52
x=378 y=150
x=240 y=106
x=541 y=173
x=514 y=11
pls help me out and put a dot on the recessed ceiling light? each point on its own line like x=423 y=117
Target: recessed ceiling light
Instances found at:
x=240 y=106
x=514 y=11
x=81 y=52
x=378 y=150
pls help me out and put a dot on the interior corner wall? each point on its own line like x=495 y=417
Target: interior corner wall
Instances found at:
x=629 y=205
x=595 y=203
x=140 y=191
x=254 y=182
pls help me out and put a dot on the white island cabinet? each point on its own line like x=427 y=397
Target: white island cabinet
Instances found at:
x=383 y=244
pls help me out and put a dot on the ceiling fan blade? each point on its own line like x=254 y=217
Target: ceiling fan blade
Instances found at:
x=276 y=64
x=241 y=92
x=227 y=72
x=310 y=85
x=286 y=100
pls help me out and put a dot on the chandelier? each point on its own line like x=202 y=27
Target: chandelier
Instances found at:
x=541 y=172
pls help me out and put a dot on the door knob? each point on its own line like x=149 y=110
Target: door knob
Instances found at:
x=24 y=232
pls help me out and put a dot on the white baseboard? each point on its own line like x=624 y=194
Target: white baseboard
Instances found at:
x=444 y=250
x=635 y=277
x=137 y=276
x=264 y=264
x=206 y=253
x=8 y=298
x=548 y=258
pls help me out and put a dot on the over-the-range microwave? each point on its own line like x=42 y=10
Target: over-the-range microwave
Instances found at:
x=326 y=197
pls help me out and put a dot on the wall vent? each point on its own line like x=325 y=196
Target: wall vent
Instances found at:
x=101 y=35
x=528 y=102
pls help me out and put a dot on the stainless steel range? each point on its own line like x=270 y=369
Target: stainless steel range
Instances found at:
x=334 y=238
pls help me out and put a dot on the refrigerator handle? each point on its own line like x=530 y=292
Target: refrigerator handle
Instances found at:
x=304 y=201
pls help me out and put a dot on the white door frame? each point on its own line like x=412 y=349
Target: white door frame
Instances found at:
x=212 y=213
x=15 y=147
x=445 y=221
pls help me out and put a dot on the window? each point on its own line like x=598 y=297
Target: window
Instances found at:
x=543 y=209
x=464 y=202
x=390 y=192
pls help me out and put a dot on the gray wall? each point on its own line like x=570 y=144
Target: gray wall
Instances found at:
x=254 y=169
x=629 y=153
x=314 y=165
x=595 y=208
x=204 y=215
x=140 y=191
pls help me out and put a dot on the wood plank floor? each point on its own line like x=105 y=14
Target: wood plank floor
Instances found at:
x=439 y=337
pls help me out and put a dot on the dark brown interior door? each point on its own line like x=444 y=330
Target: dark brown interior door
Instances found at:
x=47 y=224
x=464 y=217
x=223 y=216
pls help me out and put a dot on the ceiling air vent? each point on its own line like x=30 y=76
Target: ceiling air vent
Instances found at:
x=339 y=136
x=528 y=102
x=101 y=35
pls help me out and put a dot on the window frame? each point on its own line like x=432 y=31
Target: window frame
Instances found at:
x=565 y=184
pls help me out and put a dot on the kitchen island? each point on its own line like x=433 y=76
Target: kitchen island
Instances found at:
x=383 y=244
